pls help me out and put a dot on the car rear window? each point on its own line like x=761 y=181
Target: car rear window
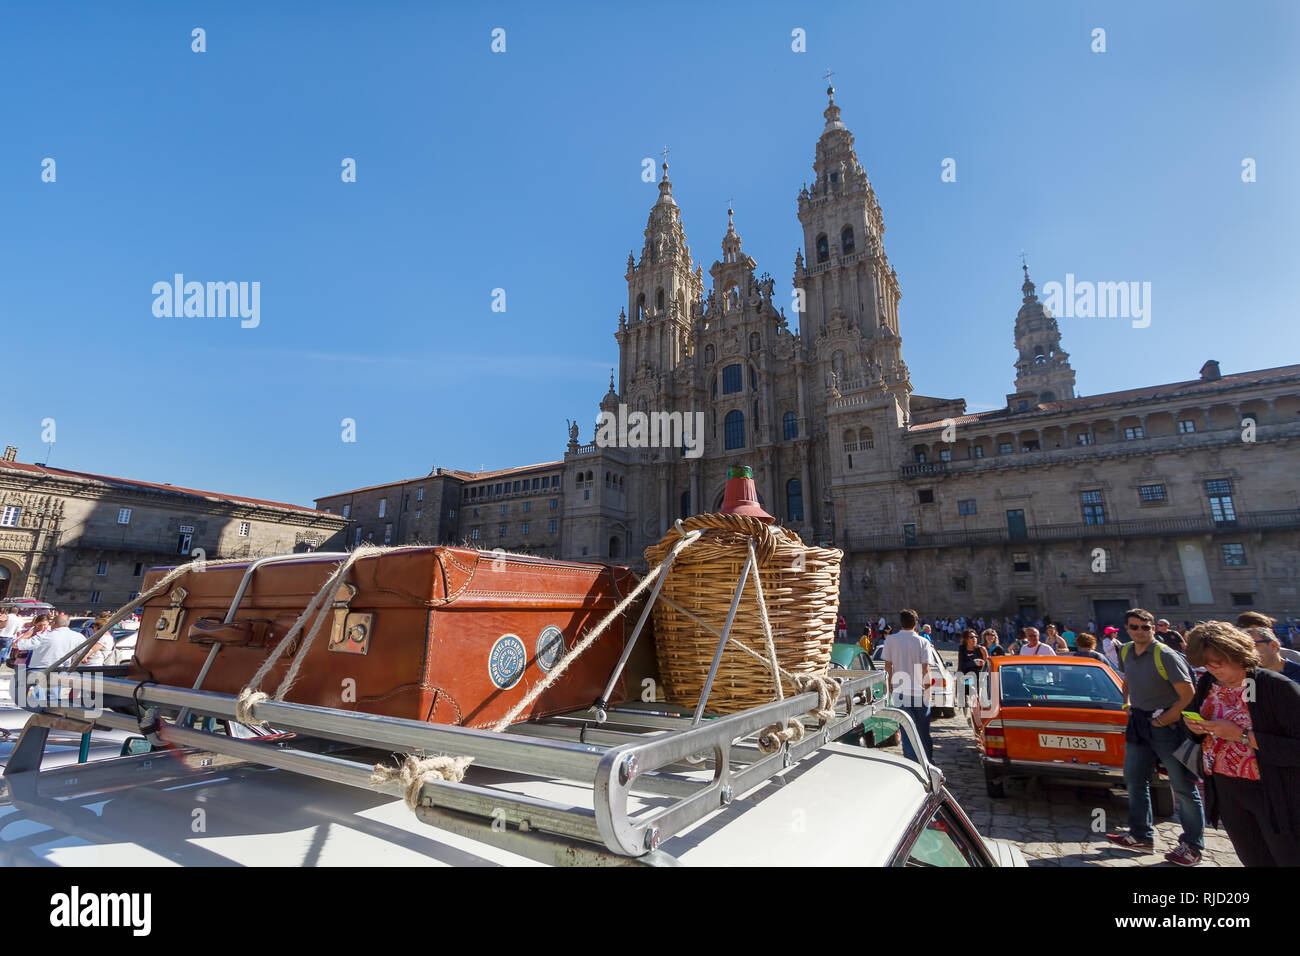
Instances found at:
x=1058 y=685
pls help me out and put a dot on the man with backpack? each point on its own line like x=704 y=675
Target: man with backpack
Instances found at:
x=1157 y=688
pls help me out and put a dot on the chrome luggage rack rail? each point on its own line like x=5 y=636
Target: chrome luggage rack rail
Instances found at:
x=643 y=764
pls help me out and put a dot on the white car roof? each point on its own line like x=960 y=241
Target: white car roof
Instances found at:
x=843 y=806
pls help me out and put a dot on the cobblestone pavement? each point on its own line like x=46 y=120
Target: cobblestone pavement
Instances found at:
x=1053 y=822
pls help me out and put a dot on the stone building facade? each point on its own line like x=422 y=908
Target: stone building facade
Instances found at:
x=515 y=509
x=1180 y=497
x=84 y=542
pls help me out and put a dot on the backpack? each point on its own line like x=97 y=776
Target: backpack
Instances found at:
x=1158 y=649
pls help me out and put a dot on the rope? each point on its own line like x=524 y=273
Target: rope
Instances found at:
x=250 y=696
x=771 y=738
x=415 y=772
x=125 y=611
x=767 y=629
x=687 y=539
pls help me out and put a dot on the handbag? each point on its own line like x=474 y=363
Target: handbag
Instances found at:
x=1188 y=753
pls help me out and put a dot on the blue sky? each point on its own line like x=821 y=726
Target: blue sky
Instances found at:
x=521 y=170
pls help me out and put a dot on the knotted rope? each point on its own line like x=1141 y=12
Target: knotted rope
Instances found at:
x=414 y=772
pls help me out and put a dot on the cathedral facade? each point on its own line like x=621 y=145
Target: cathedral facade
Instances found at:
x=770 y=393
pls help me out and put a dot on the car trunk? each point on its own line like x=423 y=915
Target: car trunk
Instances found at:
x=1064 y=734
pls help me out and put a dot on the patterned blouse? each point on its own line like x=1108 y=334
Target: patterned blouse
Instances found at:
x=1231 y=758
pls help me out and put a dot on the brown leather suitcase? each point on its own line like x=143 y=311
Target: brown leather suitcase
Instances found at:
x=448 y=635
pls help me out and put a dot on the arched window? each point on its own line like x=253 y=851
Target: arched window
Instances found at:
x=846 y=240
x=734 y=429
x=640 y=307
x=850 y=440
x=866 y=439
x=577 y=480
x=794 y=499
x=790 y=425
x=614 y=546
x=659 y=301
x=731 y=379
x=823 y=248
x=708 y=355
x=755 y=342
x=686 y=505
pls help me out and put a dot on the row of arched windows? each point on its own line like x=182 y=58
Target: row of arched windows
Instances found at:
x=847 y=244
x=640 y=304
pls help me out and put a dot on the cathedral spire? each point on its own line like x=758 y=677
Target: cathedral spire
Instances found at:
x=731 y=239
x=665 y=238
x=832 y=113
x=1043 y=371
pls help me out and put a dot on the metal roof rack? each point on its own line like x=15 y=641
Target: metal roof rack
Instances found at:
x=649 y=773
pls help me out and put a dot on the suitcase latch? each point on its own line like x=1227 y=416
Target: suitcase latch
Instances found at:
x=350 y=630
x=171 y=619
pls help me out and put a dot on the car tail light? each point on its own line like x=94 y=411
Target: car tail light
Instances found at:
x=995 y=741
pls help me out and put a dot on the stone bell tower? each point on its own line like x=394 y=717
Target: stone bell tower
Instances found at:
x=850 y=291
x=1043 y=372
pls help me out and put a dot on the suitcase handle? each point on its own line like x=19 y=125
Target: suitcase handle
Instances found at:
x=213 y=630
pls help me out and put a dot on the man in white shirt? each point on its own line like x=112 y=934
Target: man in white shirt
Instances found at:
x=1031 y=646
x=907 y=662
x=53 y=644
x=10 y=625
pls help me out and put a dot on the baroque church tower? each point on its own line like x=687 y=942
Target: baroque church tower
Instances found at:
x=1043 y=371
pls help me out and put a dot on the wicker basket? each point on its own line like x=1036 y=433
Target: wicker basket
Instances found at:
x=800 y=588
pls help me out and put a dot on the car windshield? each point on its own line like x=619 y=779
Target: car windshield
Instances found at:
x=1059 y=684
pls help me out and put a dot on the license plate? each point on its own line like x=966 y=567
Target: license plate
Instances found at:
x=1068 y=742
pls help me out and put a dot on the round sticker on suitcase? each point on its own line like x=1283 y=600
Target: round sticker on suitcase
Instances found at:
x=506 y=661
x=550 y=647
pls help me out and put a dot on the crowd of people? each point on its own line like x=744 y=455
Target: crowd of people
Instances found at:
x=1218 y=705
x=46 y=638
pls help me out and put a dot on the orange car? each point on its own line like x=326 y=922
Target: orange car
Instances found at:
x=1058 y=717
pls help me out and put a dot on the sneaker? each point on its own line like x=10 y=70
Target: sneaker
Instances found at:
x=1184 y=855
x=1128 y=841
